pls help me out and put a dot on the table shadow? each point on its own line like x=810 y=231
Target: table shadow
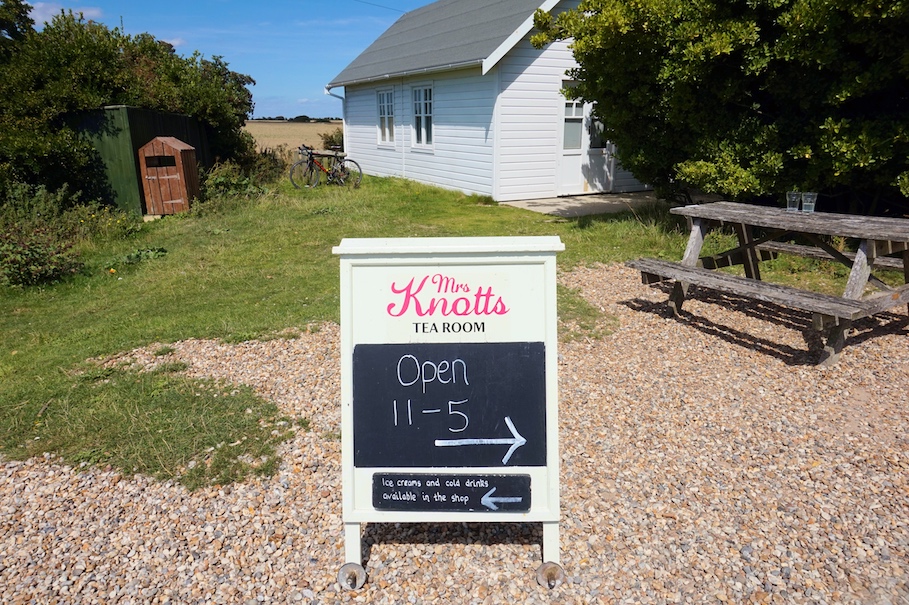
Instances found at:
x=862 y=330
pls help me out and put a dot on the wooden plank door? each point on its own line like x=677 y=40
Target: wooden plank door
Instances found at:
x=164 y=190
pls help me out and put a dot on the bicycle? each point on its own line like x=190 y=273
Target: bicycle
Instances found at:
x=308 y=171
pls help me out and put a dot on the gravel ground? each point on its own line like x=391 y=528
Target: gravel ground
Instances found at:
x=704 y=460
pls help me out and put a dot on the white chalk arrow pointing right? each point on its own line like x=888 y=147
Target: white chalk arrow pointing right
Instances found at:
x=515 y=441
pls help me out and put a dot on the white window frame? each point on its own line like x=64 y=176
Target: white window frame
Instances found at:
x=578 y=118
x=385 y=125
x=421 y=125
x=573 y=126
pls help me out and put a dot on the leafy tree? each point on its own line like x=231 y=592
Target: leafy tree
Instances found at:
x=69 y=67
x=73 y=66
x=750 y=98
x=15 y=23
x=204 y=88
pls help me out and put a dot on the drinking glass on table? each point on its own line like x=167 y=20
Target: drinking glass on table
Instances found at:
x=792 y=201
x=808 y=200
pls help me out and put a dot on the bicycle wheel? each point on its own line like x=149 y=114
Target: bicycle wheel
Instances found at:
x=348 y=174
x=300 y=174
x=313 y=176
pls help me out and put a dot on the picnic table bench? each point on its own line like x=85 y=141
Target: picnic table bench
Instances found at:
x=883 y=242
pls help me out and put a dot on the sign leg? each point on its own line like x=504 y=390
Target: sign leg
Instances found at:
x=353 y=548
x=352 y=576
x=551 y=542
x=550 y=573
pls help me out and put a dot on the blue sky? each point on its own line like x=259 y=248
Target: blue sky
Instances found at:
x=292 y=48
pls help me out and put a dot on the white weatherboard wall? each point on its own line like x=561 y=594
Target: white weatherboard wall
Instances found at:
x=506 y=286
x=496 y=135
x=529 y=120
x=461 y=156
x=624 y=181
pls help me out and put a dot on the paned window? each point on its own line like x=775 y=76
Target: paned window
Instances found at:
x=574 y=124
x=386 y=99
x=422 y=116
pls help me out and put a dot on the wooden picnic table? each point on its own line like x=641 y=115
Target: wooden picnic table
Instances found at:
x=882 y=242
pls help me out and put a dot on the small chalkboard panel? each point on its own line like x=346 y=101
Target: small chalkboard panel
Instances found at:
x=449 y=405
x=451 y=493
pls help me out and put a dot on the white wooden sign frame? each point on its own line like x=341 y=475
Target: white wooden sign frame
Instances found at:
x=507 y=287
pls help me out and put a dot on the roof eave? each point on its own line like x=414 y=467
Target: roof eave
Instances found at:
x=517 y=35
x=408 y=73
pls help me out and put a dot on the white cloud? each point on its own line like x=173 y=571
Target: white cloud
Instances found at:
x=176 y=42
x=43 y=12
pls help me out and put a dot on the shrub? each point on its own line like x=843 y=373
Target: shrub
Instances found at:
x=37 y=256
x=227 y=179
x=64 y=213
x=25 y=207
x=270 y=165
x=332 y=139
x=38 y=229
x=247 y=179
x=95 y=221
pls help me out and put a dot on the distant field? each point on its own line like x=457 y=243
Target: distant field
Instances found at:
x=291 y=134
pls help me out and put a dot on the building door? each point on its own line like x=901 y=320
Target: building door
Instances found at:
x=586 y=160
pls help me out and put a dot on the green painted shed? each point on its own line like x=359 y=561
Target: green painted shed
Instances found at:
x=119 y=131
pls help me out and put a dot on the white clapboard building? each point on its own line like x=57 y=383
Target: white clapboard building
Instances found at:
x=454 y=94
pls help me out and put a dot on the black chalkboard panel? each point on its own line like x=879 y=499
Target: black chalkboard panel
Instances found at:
x=449 y=405
x=451 y=493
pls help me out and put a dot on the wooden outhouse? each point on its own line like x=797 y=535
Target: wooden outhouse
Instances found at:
x=170 y=177
x=117 y=132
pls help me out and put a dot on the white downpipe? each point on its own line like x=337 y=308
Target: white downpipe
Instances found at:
x=343 y=112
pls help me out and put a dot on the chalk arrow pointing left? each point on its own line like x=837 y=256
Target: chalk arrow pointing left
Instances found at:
x=491 y=503
x=515 y=441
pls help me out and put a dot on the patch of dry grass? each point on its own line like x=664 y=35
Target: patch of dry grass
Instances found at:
x=272 y=134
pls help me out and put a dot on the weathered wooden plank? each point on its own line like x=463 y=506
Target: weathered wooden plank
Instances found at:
x=695 y=242
x=886 y=262
x=750 y=260
x=736 y=256
x=689 y=259
x=906 y=269
x=861 y=270
x=820 y=223
x=878 y=303
x=814 y=302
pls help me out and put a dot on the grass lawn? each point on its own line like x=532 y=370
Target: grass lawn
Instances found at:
x=234 y=269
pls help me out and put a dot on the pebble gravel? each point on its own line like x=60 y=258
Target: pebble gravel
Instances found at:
x=704 y=459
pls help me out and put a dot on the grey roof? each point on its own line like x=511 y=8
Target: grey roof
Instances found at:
x=443 y=35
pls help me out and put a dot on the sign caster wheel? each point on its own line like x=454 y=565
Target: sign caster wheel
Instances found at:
x=352 y=576
x=550 y=575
